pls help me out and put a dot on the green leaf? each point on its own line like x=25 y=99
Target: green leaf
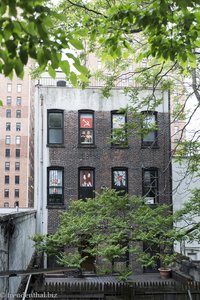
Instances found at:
x=73 y=79
x=23 y=54
x=76 y=44
x=51 y=71
x=1 y=102
x=65 y=66
x=19 y=68
x=80 y=68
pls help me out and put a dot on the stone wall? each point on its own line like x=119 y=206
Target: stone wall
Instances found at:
x=16 y=248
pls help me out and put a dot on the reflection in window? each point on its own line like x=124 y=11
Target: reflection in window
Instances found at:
x=55 y=127
x=7 y=166
x=149 y=128
x=16 y=193
x=18 y=113
x=119 y=134
x=8 y=113
x=8 y=126
x=18 y=140
x=8 y=100
x=150 y=185
x=8 y=140
x=55 y=186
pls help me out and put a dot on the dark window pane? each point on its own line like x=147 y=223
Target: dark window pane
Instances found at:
x=55 y=120
x=55 y=136
x=55 y=127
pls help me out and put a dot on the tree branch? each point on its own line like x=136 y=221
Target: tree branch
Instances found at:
x=86 y=8
x=194 y=84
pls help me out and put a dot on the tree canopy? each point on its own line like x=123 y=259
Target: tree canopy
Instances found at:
x=109 y=227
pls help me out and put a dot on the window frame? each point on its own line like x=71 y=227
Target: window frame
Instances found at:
x=17 y=179
x=123 y=143
x=8 y=100
x=154 y=142
x=8 y=113
x=19 y=88
x=17 y=164
x=59 y=196
x=16 y=193
x=18 y=140
x=8 y=139
x=7 y=152
x=152 y=189
x=17 y=153
x=61 y=112
x=7 y=179
x=7 y=166
x=9 y=87
x=90 y=129
x=18 y=113
x=123 y=189
x=18 y=126
x=19 y=101
x=86 y=189
x=8 y=126
x=6 y=193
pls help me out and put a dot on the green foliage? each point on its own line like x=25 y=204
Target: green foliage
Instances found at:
x=109 y=226
x=28 y=31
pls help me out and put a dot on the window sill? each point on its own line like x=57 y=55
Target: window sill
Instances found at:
x=151 y=146
x=55 y=206
x=120 y=147
x=86 y=146
x=55 y=145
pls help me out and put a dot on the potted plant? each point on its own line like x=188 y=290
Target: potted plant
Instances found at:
x=166 y=260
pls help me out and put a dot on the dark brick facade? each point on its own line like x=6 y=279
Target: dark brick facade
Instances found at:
x=102 y=157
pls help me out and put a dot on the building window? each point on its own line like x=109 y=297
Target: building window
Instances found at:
x=7 y=166
x=149 y=129
x=17 y=166
x=6 y=193
x=86 y=128
x=8 y=140
x=18 y=101
x=120 y=180
x=18 y=113
x=150 y=185
x=19 y=88
x=55 y=186
x=18 y=126
x=86 y=183
x=6 y=205
x=16 y=179
x=7 y=152
x=7 y=179
x=8 y=126
x=16 y=193
x=17 y=153
x=8 y=113
x=9 y=87
x=119 y=133
x=55 y=127
x=18 y=140
x=8 y=100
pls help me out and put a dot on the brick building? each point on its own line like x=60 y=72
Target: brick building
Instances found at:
x=74 y=156
x=16 y=142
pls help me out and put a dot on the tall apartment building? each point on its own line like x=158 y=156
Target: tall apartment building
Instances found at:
x=16 y=142
x=74 y=157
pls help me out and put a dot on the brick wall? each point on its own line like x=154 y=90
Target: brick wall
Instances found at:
x=103 y=157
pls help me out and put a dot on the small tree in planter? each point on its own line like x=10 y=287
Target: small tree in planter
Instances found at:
x=114 y=226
